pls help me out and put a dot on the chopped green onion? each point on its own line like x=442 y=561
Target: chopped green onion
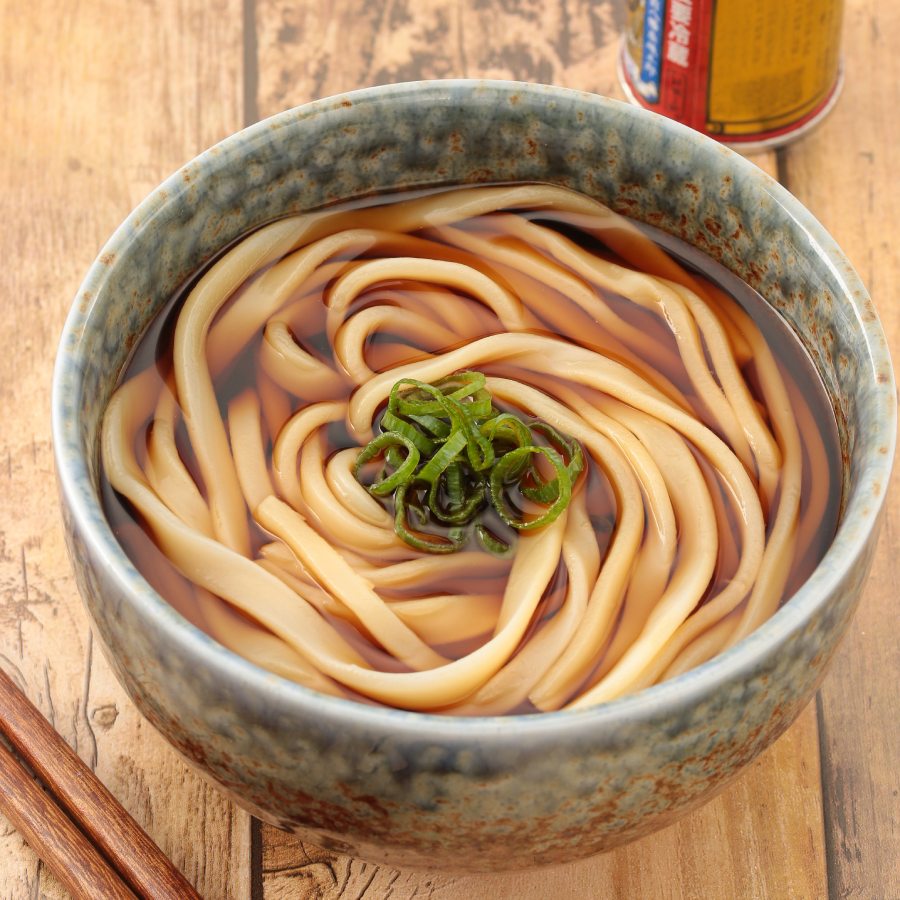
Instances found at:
x=394 y=457
x=490 y=542
x=446 y=454
x=402 y=475
x=390 y=423
x=547 y=491
x=460 y=510
x=449 y=453
x=508 y=464
x=436 y=426
x=431 y=544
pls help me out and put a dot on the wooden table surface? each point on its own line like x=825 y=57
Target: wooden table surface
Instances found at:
x=100 y=101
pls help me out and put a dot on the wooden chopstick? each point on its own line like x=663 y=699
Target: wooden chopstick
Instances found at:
x=133 y=863
x=54 y=837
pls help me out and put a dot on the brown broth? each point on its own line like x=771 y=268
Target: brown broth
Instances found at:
x=821 y=455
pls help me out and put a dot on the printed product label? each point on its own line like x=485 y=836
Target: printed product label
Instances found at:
x=734 y=69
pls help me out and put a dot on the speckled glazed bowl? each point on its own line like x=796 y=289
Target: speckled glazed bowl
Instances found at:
x=490 y=793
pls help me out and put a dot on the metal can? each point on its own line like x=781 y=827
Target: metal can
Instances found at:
x=748 y=74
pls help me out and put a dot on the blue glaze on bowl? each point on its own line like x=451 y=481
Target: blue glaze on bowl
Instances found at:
x=491 y=793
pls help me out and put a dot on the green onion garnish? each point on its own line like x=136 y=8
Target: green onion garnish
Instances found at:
x=450 y=458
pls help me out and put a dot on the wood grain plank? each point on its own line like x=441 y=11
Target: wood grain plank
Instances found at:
x=846 y=173
x=746 y=843
x=100 y=101
x=308 y=50
x=74 y=860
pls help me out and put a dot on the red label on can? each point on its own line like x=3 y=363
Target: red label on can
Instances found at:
x=743 y=73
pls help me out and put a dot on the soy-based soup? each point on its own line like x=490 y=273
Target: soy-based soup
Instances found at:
x=707 y=491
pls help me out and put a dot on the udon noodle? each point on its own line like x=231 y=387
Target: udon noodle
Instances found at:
x=236 y=454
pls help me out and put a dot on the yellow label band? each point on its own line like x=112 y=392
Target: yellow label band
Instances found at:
x=771 y=63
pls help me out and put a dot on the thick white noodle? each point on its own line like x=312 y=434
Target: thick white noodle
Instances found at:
x=284 y=556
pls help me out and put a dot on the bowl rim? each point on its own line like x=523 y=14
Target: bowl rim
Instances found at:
x=685 y=690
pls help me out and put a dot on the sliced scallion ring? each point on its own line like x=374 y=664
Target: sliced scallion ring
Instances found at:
x=449 y=453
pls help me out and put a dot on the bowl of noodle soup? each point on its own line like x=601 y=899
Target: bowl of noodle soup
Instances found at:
x=471 y=470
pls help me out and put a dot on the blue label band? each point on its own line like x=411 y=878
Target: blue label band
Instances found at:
x=651 y=54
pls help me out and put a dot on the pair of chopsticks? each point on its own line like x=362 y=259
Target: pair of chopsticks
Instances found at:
x=73 y=823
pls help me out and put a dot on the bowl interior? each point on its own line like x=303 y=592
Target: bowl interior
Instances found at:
x=442 y=133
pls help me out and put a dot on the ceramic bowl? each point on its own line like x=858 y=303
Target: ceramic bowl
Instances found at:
x=415 y=789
